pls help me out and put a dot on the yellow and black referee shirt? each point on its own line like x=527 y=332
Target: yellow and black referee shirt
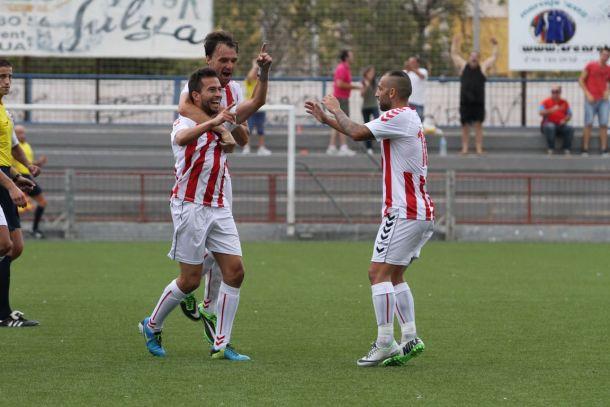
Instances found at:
x=8 y=139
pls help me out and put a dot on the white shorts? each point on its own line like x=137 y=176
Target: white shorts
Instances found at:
x=197 y=227
x=399 y=241
x=2 y=218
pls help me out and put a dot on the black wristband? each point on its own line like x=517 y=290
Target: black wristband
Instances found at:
x=15 y=177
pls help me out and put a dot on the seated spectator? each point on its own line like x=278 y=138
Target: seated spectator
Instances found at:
x=556 y=114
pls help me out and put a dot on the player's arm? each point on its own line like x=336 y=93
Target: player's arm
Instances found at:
x=20 y=156
x=241 y=135
x=458 y=61
x=489 y=62
x=581 y=81
x=186 y=136
x=259 y=96
x=17 y=196
x=341 y=123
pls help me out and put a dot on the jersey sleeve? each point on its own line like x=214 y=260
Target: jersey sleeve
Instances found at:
x=14 y=139
x=239 y=94
x=388 y=126
x=181 y=123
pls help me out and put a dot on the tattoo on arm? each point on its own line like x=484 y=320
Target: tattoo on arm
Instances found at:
x=348 y=126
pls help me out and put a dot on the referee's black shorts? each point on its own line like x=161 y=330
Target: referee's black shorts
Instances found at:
x=8 y=207
x=36 y=190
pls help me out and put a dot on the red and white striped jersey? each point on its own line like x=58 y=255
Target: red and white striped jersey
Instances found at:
x=404 y=159
x=202 y=174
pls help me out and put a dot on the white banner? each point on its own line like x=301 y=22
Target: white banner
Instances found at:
x=105 y=28
x=556 y=35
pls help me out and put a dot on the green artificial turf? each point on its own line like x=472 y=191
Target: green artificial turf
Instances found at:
x=503 y=324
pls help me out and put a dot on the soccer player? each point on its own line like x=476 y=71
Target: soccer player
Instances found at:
x=10 y=197
x=36 y=192
x=201 y=212
x=221 y=53
x=408 y=211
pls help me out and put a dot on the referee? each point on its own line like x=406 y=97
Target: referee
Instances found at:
x=36 y=192
x=9 y=148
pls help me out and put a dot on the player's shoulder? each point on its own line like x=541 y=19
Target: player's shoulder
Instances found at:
x=183 y=122
x=399 y=113
x=234 y=85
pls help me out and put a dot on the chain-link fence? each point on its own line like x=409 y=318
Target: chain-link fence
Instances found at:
x=306 y=36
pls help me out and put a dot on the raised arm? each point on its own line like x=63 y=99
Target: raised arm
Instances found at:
x=489 y=62
x=259 y=97
x=341 y=123
x=458 y=61
x=20 y=156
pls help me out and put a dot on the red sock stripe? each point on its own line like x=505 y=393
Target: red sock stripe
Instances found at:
x=402 y=319
x=387 y=308
x=222 y=312
x=159 y=306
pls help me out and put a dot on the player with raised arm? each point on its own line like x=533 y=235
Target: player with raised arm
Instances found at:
x=221 y=53
x=408 y=211
x=201 y=213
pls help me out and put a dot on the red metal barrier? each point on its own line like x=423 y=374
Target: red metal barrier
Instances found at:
x=480 y=198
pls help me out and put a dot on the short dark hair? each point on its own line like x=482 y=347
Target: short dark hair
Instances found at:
x=5 y=62
x=401 y=82
x=195 y=84
x=606 y=48
x=214 y=38
x=344 y=54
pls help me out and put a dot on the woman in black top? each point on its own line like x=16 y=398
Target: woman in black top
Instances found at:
x=472 y=92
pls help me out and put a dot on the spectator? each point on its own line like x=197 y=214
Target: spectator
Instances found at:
x=257 y=120
x=418 y=77
x=473 y=76
x=342 y=87
x=556 y=114
x=594 y=82
x=370 y=108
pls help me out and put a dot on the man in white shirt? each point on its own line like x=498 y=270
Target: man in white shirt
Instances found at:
x=408 y=212
x=418 y=77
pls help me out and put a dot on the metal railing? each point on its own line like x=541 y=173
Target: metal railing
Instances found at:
x=460 y=198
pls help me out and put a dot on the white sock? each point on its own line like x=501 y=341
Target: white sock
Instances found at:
x=213 y=278
x=384 y=303
x=228 y=300
x=405 y=311
x=170 y=298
